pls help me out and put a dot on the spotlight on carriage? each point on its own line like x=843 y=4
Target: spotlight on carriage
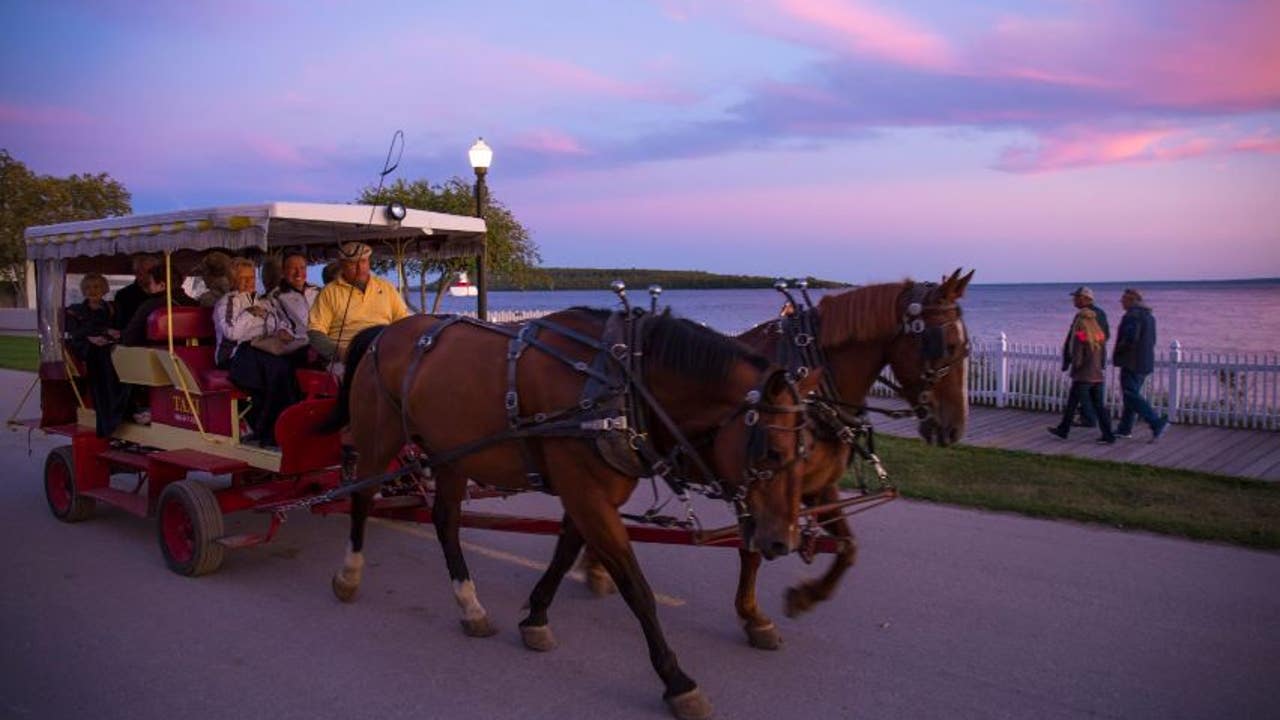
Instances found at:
x=395 y=211
x=779 y=284
x=803 y=283
x=654 y=291
x=618 y=287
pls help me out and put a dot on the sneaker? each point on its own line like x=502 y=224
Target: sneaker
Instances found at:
x=1060 y=434
x=142 y=417
x=1105 y=441
x=1124 y=435
x=1159 y=429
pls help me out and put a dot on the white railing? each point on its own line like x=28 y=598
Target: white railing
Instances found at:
x=510 y=316
x=1202 y=388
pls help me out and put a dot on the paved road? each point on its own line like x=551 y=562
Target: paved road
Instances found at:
x=949 y=613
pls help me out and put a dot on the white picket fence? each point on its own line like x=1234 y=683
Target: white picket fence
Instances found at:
x=1201 y=388
x=509 y=316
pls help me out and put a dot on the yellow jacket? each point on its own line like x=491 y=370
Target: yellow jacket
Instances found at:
x=342 y=310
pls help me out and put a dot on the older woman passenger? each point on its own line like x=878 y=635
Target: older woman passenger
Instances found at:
x=239 y=318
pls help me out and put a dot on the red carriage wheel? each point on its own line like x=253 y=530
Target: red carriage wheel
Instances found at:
x=65 y=500
x=190 y=522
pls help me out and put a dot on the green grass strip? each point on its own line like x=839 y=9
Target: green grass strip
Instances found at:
x=1173 y=502
x=18 y=352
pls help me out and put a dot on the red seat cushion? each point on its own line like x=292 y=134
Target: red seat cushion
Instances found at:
x=316 y=383
x=189 y=323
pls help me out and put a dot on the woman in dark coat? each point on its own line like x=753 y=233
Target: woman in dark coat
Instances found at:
x=91 y=336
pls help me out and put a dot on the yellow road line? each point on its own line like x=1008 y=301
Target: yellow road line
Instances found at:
x=504 y=556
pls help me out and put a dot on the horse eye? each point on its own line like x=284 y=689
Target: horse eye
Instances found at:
x=773 y=455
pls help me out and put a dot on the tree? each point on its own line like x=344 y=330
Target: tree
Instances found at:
x=511 y=250
x=27 y=199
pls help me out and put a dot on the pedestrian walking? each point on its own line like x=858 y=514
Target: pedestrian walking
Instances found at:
x=1135 y=356
x=1085 y=352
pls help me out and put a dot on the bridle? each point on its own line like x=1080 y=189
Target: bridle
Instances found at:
x=931 y=340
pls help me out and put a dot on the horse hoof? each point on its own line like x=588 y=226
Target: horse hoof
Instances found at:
x=692 y=705
x=346 y=592
x=537 y=637
x=600 y=582
x=798 y=601
x=764 y=637
x=479 y=628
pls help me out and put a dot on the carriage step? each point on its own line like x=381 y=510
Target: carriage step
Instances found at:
x=132 y=503
x=202 y=461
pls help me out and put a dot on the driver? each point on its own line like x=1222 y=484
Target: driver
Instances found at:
x=357 y=299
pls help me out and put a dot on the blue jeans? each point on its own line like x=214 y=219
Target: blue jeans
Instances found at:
x=1089 y=398
x=1134 y=404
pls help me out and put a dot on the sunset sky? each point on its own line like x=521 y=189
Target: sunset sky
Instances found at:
x=1036 y=141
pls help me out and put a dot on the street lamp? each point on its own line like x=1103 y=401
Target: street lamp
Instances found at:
x=481 y=156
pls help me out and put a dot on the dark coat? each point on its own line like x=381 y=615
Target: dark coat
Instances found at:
x=1136 y=341
x=83 y=322
x=127 y=300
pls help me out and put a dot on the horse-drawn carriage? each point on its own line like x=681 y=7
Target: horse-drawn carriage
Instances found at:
x=580 y=404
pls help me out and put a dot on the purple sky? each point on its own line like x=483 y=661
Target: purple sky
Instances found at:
x=1058 y=140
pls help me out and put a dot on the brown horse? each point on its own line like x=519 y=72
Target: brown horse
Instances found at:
x=463 y=391
x=858 y=333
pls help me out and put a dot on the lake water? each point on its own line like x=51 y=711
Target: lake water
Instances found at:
x=1236 y=316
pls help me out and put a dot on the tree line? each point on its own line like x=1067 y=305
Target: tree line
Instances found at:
x=561 y=278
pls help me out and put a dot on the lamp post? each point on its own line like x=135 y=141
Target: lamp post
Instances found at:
x=481 y=155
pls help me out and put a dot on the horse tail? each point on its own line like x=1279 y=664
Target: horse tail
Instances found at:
x=356 y=350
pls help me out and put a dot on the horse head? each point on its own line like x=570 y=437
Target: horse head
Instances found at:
x=930 y=357
x=914 y=328
x=746 y=419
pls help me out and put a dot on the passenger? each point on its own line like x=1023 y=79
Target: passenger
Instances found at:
x=239 y=318
x=154 y=286
x=290 y=303
x=90 y=323
x=357 y=299
x=215 y=270
x=91 y=338
x=129 y=297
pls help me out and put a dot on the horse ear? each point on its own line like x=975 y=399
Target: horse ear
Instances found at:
x=964 y=283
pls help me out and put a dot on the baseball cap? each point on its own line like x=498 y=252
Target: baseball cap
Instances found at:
x=1083 y=291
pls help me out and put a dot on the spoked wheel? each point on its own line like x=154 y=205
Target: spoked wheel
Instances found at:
x=65 y=500
x=190 y=522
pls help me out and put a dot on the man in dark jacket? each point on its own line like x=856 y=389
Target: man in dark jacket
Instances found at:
x=129 y=297
x=1082 y=297
x=1135 y=355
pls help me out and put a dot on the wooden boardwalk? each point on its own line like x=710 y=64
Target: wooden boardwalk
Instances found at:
x=1221 y=451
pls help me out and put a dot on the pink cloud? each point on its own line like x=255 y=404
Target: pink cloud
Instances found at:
x=1084 y=147
x=1198 y=55
x=551 y=142
x=858 y=28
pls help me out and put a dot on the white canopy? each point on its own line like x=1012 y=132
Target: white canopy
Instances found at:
x=264 y=226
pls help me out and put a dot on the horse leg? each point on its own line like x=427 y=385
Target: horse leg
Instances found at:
x=347 y=580
x=604 y=532
x=761 y=632
x=597 y=577
x=446 y=515
x=534 y=629
x=800 y=598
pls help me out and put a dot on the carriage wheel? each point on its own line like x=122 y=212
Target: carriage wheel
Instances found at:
x=190 y=522
x=65 y=500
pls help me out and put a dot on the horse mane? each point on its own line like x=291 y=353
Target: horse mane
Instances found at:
x=684 y=346
x=862 y=314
